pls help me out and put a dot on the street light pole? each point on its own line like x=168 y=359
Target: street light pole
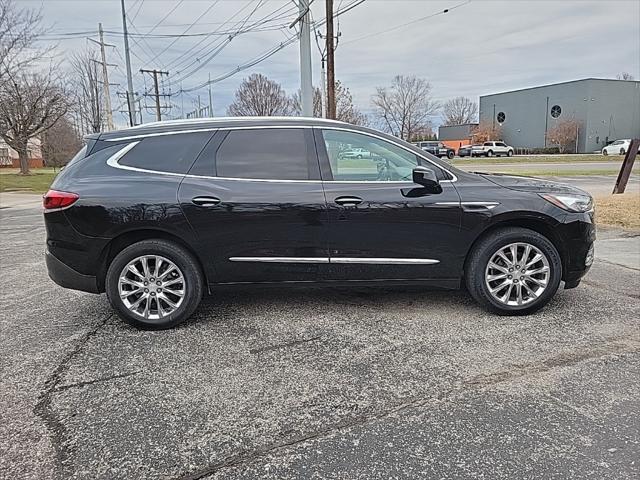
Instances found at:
x=306 y=85
x=127 y=58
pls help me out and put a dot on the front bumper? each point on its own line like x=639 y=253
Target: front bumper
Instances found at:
x=579 y=249
x=67 y=277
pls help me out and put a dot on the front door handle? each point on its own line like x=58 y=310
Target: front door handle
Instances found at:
x=205 y=201
x=348 y=201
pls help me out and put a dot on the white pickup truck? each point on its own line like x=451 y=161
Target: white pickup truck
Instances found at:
x=489 y=149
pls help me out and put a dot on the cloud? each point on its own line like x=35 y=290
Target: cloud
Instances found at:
x=479 y=48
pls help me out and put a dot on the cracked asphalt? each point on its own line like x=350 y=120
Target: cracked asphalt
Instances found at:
x=327 y=384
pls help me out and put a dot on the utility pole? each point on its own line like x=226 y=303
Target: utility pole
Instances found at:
x=331 y=78
x=323 y=75
x=306 y=85
x=105 y=81
x=127 y=58
x=156 y=89
x=210 y=98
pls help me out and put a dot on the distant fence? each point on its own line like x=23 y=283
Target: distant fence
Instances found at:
x=536 y=150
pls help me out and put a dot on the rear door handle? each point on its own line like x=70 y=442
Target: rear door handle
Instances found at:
x=348 y=201
x=205 y=201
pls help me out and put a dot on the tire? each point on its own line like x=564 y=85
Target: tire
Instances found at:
x=476 y=271
x=509 y=153
x=186 y=274
x=605 y=153
x=359 y=157
x=450 y=155
x=489 y=153
x=622 y=152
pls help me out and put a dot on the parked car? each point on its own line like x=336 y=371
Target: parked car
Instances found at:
x=355 y=153
x=438 y=149
x=465 y=151
x=489 y=149
x=619 y=147
x=160 y=214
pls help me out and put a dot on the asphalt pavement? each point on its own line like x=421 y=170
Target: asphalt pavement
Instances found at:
x=334 y=383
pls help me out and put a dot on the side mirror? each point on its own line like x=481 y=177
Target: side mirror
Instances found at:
x=427 y=178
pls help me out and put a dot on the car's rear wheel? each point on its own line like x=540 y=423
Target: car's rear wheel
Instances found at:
x=154 y=284
x=513 y=271
x=490 y=153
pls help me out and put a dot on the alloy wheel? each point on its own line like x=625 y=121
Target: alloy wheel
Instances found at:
x=517 y=274
x=151 y=287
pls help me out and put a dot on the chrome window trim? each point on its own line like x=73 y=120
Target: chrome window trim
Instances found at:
x=113 y=160
x=339 y=260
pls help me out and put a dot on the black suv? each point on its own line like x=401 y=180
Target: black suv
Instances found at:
x=156 y=215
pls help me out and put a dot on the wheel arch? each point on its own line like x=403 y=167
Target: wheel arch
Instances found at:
x=122 y=241
x=542 y=225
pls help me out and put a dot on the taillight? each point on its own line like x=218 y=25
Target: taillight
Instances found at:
x=55 y=199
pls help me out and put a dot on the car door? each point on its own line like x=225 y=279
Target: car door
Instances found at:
x=381 y=224
x=501 y=148
x=255 y=201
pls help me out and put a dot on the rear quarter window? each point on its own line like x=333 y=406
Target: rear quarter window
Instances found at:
x=166 y=153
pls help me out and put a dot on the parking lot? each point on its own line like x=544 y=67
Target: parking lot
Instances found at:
x=332 y=383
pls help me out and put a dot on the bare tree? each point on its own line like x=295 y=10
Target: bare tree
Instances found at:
x=346 y=111
x=296 y=103
x=459 y=110
x=88 y=96
x=564 y=134
x=30 y=104
x=485 y=132
x=19 y=28
x=624 y=76
x=259 y=96
x=405 y=107
x=61 y=142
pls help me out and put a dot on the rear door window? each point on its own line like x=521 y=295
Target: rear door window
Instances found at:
x=166 y=153
x=267 y=153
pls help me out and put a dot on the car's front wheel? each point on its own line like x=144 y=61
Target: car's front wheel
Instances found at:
x=604 y=152
x=622 y=152
x=450 y=154
x=154 y=284
x=513 y=271
x=509 y=153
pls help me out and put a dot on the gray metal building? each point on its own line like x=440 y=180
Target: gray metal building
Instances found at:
x=605 y=110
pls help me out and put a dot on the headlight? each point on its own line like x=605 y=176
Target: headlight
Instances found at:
x=572 y=203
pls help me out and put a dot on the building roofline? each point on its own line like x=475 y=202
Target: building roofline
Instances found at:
x=561 y=83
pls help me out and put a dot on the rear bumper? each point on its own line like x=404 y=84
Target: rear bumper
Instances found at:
x=67 y=277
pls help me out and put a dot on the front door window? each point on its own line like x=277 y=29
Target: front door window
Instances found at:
x=357 y=157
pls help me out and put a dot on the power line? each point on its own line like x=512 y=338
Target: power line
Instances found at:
x=382 y=32
x=188 y=28
x=254 y=27
x=185 y=57
x=265 y=55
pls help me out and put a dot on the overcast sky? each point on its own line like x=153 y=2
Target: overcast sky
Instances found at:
x=479 y=47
